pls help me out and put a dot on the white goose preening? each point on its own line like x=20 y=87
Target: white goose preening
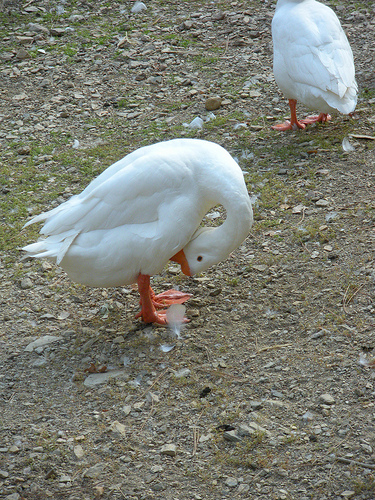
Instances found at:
x=312 y=61
x=144 y=210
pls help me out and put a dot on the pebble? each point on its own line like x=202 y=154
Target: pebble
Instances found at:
x=213 y=103
x=26 y=283
x=327 y=399
x=95 y=471
x=231 y=436
x=126 y=409
x=42 y=342
x=184 y=372
x=101 y=378
x=169 y=450
x=116 y=426
x=3 y=474
x=78 y=451
x=232 y=482
x=322 y=203
x=22 y=54
x=13 y=496
x=348 y=494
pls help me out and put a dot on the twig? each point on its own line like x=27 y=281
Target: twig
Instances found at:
x=195 y=439
x=355 y=462
x=226 y=45
x=344 y=299
x=347 y=300
x=153 y=383
x=28 y=3
x=365 y=137
x=277 y=346
x=355 y=293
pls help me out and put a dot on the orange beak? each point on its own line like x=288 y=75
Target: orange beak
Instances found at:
x=180 y=258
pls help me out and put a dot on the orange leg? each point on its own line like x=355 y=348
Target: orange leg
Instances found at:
x=293 y=124
x=149 y=301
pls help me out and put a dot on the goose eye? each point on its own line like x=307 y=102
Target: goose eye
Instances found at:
x=199 y=258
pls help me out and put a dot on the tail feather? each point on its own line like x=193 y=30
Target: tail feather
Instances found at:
x=53 y=247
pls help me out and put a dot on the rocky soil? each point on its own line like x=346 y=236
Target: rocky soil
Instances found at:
x=269 y=392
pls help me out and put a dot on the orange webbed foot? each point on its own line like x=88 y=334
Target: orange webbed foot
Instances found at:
x=281 y=127
x=169 y=297
x=321 y=118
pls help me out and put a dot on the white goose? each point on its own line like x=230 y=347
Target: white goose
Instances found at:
x=144 y=210
x=312 y=61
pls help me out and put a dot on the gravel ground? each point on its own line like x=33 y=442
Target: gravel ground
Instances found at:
x=269 y=392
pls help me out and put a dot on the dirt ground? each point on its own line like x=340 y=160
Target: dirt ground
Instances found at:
x=269 y=392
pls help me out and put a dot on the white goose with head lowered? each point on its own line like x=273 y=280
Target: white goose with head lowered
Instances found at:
x=147 y=209
x=312 y=61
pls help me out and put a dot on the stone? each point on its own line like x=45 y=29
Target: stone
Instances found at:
x=232 y=482
x=101 y=378
x=13 y=496
x=3 y=474
x=169 y=450
x=116 y=426
x=322 y=203
x=327 y=399
x=94 y=471
x=26 y=284
x=22 y=54
x=42 y=342
x=231 y=436
x=184 y=372
x=213 y=103
x=78 y=451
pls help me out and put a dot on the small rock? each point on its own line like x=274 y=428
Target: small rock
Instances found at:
x=184 y=372
x=98 y=491
x=65 y=479
x=42 y=342
x=126 y=409
x=101 y=378
x=231 y=436
x=169 y=450
x=116 y=426
x=24 y=150
x=57 y=31
x=213 y=103
x=152 y=398
x=95 y=471
x=78 y=451
x=38 y=28
x=22 y=54
x=348 y=494
x=327 y=399
x=26 y=283
x=231 y=482
x=3 y=474
x=322 y=203
x=13 y=449
x=13 y=496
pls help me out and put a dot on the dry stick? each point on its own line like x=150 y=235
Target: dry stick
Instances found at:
x=153 y=383
x=344 y=299
x=355 y=293
x=226 y=45
x=195 y=439
x=277 y=346
x=355 y=462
